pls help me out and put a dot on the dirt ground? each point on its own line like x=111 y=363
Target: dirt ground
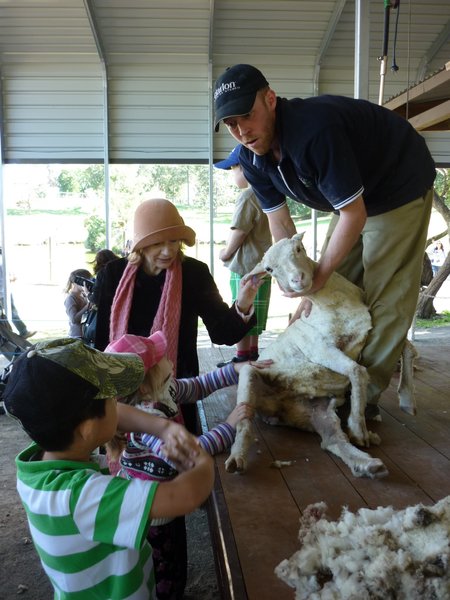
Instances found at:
x=21 y=574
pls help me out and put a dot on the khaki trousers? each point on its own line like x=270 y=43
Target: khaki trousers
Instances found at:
x=386 y=262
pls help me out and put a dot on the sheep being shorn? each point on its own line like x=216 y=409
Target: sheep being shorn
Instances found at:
x=314 y=364
x=372 y=554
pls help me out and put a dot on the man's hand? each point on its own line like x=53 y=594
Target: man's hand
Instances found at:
x=304 y=307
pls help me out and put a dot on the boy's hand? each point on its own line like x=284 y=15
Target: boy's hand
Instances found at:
x=258 y=364
x=240 y=411
x=179 y=446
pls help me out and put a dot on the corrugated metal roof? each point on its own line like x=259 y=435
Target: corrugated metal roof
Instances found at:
x=160 y=55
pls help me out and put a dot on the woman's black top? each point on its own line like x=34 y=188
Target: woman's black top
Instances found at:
x=200 y=298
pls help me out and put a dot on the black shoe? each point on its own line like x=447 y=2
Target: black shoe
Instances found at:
x=235 y=359
x=28 y=334
x=254 y=356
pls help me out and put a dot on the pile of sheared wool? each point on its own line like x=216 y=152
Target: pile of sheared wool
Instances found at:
x=381 y=554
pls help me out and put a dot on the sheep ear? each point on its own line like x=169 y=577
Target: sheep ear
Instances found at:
x=258 y=270
x=298 y=236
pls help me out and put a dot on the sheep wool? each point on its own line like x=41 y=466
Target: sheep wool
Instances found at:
x=372 y=554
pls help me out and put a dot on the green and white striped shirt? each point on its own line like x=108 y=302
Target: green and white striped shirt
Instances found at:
x=89 y=528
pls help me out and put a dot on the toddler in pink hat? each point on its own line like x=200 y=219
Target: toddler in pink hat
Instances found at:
x=139 y=455
x=150 y=349
x=161 y=394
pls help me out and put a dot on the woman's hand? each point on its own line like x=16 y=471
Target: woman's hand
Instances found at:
x=248 y=289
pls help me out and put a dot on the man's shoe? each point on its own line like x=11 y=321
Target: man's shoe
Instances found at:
x=254 y=356
x=235 y=359
x=29 y=334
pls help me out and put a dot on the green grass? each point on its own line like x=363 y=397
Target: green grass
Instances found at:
x=437 y=321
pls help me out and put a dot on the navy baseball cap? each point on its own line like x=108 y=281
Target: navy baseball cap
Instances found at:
x=235 y=92
x=232 y=160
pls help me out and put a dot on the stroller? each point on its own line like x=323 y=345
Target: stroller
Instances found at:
x=11 y=345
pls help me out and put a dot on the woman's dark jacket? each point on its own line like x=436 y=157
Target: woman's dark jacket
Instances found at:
x=200 y=298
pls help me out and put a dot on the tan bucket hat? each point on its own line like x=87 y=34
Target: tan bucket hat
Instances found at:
x=158 y=220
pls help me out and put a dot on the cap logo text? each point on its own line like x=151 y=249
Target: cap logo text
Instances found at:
x=225 y=87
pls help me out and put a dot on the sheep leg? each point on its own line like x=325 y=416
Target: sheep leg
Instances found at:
x=328 y=425
x=407 y=400
x=237 y=461
x=335 y=360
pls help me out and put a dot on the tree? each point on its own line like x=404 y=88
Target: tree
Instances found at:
x=441 y=200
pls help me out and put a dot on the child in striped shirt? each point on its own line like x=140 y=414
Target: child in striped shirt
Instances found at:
x=88 y=527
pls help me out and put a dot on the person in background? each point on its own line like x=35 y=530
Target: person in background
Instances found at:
x=102 y=258
x=248 y=241
x=138 y=455
x=16 y=320
x=437 y=257
x=363 y=163
x=89 y=528
x=76 y=301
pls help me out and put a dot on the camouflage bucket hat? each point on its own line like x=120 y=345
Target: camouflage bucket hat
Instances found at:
x=53 y=375
x=113 y=374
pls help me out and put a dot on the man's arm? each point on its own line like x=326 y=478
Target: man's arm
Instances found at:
x=352 y=219
x=281 y=224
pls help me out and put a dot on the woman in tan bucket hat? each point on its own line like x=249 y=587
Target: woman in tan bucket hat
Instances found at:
x=158 y=288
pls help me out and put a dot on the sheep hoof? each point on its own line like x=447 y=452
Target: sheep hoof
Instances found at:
x=374 y=438
x=235 y=464
x=408 y=409
x=374 y=469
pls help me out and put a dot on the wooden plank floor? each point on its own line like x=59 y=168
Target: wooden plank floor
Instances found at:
x=254 y=516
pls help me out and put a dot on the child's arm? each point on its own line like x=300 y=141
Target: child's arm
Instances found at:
x=187 y=491
x=220 y=438
x=235 y=241
x=195 y=388
x=179 y=445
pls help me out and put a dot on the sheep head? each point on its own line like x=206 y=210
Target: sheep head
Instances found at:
x=288 y=262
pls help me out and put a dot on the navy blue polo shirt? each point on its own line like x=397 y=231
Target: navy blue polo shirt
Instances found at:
x=334 y=149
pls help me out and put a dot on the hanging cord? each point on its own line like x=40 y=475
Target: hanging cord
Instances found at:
x=395 y=67
x=408 y=63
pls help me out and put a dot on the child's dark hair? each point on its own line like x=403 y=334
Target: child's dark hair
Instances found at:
x=57 y=434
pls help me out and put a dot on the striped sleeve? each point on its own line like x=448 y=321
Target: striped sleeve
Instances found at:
x=195 y=388
x=218 y=439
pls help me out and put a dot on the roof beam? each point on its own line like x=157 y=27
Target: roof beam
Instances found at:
x=442 y=39
x=326 y=40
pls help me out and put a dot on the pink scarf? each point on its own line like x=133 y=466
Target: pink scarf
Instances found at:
x=167 y=318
